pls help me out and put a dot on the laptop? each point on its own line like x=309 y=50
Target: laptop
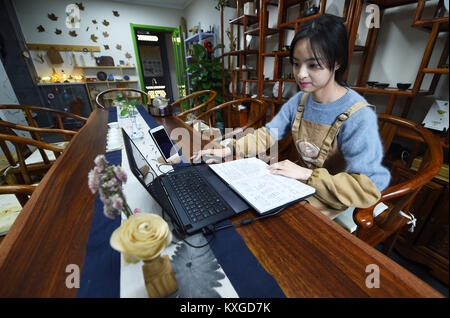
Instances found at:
x=194 y=196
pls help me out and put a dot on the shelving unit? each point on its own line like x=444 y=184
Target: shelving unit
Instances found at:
x=196 y=38
x=435 y=26
x=91 y=86
x=257 y=26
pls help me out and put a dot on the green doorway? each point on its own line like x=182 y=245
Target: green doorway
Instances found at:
x=159 y=63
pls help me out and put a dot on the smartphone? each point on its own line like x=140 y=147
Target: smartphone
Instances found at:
x=164 y=143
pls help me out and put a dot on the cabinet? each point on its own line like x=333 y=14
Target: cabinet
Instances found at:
x=95 y=84
x=428 y=244
x=198 y=38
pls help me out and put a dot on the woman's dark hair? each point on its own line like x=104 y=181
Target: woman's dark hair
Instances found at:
x=328 y=38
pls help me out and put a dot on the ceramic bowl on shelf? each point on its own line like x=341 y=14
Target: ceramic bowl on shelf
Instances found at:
x=102 y=76
x=371 y=83
x=403 y=86
x=381 y=85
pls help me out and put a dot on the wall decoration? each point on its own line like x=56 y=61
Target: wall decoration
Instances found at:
x=52 y=17
x=106 y=46
x=40 y=28
x=58 y=31
x=128 y=55
x=116 y=14
x=118 y=46
x=105 y=23
x=73 y=33
x=94 y=21
x=105 y=34
x=80 y=6
x=94 y=38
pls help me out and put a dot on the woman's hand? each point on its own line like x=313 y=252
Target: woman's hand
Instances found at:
x=289 y=169
x=211 y=155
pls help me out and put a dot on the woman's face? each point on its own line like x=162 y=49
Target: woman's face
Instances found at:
x=311 y=75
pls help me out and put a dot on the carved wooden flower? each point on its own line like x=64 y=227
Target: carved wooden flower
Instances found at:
x=142 y=236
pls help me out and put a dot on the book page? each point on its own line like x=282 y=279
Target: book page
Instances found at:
x=261 y=189
x=240 y=169
x=268 y=192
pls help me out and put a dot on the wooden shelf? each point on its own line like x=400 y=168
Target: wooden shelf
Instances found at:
x=279 y=53
x=438 y=70
x=239 y=52
x=250 y=19
x=389 y=91
x=109 y=82
x=108 y=67
x=255 y=32
x=63 y=47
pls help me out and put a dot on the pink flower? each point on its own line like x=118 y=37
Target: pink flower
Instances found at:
x=136 y=211
x=108 y=212
x=100 y=162
x=111 y=184
x=121 y=175
x=117 y=202
x=93 y=180
x=107 y=180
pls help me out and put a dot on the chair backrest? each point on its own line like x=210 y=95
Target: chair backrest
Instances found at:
x=21 y=191
x=195 y=103
x=24 y=171
x=399 y=197
x=58 y=117
x=256 y=116
x=100 y=99
x=35 y=132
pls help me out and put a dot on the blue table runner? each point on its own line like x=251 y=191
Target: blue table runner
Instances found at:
x=101 y=271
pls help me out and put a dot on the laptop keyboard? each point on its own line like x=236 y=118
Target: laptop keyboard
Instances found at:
x=195 y=195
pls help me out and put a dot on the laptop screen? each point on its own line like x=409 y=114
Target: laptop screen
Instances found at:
x=138 y=164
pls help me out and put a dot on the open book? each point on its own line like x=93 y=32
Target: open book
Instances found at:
x=264 y=191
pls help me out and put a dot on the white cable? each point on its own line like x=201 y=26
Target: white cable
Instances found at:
x=411 y=218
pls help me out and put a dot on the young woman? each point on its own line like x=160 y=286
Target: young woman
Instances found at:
x=334 y=129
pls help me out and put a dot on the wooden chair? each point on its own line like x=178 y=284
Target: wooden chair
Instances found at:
x=197 y=102
x=256 y=116
x=100 y=99
x=28 y=162
x=399 y=196
x=58 y=118
x=21 y=191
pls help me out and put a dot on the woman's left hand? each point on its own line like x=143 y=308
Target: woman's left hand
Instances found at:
x=289 y=169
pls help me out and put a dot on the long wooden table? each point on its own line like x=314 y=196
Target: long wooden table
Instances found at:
x=308 y=254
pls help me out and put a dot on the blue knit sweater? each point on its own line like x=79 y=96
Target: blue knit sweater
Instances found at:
x=358 y=138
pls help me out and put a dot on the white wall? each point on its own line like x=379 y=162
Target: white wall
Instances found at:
x=33 y=13
x=203 y=12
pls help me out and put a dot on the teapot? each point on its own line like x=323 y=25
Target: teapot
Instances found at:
x=160 y=105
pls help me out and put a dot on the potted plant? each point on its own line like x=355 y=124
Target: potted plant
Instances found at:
x=206 y=73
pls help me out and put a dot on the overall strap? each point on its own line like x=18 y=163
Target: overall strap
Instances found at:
x=299 y=114
x=334 y=129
